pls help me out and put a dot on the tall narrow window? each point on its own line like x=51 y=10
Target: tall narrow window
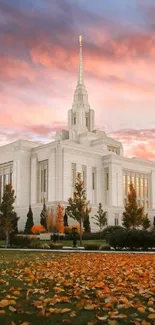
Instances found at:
x=124 y=184
x=11 y=178
x=84 y=175
x=43 y=180
x=4 y=182
x=93 y=180
x=87 y=122
x=142 y=187
x=146 y=187
x=94 y=185
x=73 y=174
x=74 y=120
x=137 y=186
x=107 y=181
x=116 y=219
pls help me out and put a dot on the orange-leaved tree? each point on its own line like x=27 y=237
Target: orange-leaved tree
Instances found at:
x=59 y=218
x=133 y=215
x=78 y=205
x=37 y=229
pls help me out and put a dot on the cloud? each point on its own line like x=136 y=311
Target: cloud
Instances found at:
x=137 y=142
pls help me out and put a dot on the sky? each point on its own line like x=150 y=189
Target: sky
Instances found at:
x=39 y=64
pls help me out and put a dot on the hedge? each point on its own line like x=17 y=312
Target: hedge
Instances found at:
x=132 y=239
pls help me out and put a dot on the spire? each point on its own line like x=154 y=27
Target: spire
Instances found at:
x=80 y=74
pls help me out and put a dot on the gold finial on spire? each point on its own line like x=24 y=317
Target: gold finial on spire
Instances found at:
x=80 y=40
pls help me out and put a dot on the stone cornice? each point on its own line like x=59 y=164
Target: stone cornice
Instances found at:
x=121 y=159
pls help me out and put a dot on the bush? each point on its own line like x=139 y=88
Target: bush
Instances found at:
x=19 y=241
x=109 y=230
x=35 y=244
x=56 y=246
x=117 y=239
x=132 y=239
x=105 y=248
x=92 y=247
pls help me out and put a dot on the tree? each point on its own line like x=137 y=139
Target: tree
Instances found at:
x=146 y=222
x=43 y=216
x=37 y=229
x=59 y=218
x=8 y=216
x=29 y=222
x=100 y=218
x=78 y=205
x=133 y=215
x=86 y=224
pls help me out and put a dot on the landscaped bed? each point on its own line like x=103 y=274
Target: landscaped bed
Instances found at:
x=61 y=288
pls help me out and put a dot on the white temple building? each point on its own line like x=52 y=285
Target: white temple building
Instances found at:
x=48 y=171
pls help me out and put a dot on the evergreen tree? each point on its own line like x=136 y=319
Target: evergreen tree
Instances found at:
x=8 y=217
x=29 y=222
x=100 y=218
x=146 y=222
x=86 y=224
x=133 y=215
x=78 y=205
x=43 y=216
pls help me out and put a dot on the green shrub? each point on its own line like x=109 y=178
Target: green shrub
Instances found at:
x=35 y=244
x=105 y=248
x=92 y=247
x=109 y=230
x=56 y=246
x=44 y=246
x=19 y=241
x=132 y=239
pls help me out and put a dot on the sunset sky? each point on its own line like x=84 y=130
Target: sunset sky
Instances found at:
x=39 y=63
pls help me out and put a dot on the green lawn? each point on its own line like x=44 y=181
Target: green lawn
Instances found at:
x=68 y=243
x=79 y=289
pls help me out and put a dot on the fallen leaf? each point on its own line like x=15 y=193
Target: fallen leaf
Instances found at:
x=12 y=309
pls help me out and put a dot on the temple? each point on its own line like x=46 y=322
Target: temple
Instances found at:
x=48 y=171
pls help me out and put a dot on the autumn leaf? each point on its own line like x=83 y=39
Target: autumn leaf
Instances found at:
x=12 y=309
x=151 y=316
x=2 y=312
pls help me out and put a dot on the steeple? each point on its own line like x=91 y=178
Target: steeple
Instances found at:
x=80 y=74
x=80 y=117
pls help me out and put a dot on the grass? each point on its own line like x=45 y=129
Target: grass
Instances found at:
x=83 y=283
x=68 y=243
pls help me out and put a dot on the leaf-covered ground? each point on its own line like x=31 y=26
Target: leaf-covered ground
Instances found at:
x=77 y=288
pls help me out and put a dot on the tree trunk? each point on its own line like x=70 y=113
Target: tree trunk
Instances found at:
x=80 y=232
x=7 y=239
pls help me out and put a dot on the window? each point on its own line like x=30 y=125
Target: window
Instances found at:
x=124 y=184
x=142 y=187
x=11 y=178
x=87 y=122
x=107 y=181
x=43 y=180
x=116 y=220
x=5 y=177
x=73 y=174
x=74 y=120
x=146 y=187
x=93 y=180
x=147 y=204
x=137 y=186
x=94 y=185
x=84 y=175
x=141 y=183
